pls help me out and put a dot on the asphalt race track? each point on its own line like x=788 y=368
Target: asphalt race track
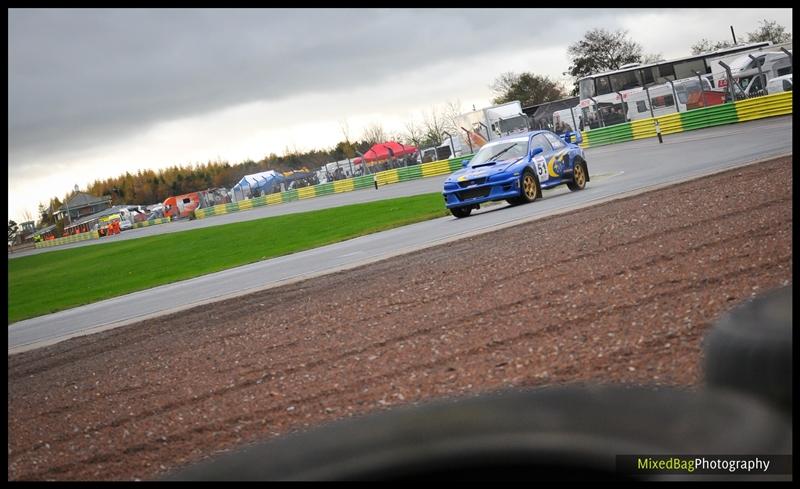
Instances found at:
x=598 y=158
x=615 y=170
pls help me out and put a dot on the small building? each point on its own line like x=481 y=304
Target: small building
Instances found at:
x=26 y=231
x=92 y=222
x=81 y=205
x=46 y=233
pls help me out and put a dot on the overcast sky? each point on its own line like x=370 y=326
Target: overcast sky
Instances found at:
x=95 y=93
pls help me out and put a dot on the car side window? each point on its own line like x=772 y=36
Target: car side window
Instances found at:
x=540 y=141
x=555 y=141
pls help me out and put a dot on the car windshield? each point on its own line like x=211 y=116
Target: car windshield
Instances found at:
x=506 y=151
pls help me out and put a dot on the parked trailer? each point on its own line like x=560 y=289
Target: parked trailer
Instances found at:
x=182 y=206
x=662 y=99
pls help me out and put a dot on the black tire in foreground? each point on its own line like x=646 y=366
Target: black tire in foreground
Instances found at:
x=460 y=212
x=750 y=349
x=556 y=433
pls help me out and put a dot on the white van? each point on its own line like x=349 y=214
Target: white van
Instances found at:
x=780 y=84
x=745 y=70
x=125 y=219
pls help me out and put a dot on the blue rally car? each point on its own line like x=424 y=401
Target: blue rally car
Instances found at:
x=516 y=169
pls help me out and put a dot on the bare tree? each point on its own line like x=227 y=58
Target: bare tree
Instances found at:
x=504 y=83
x=374 y=133
x=769 y=30
x=433 y=123
x=414 y=133
x=652 y=58
x=706 y=46
x=26 y=214
x=290 y=151
x=347 y=148
x=450 y=113
x=345 y=127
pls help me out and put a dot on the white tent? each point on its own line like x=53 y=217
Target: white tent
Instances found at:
x=256 y=184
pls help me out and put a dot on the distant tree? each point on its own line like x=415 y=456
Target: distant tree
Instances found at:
x=13 y=229
x=769 y=30
x=43 y=217
x=450 y=113
x=55 y=204
x=343 y=150
x=706 y=46
x=504 y=83
x=361 y=146
x=374 y=133
x=414 y=134
x=601 y=50
x=526 y=87
x=652 y=58
x=433 y=124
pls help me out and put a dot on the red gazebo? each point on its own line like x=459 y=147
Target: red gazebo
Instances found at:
x=384 y=151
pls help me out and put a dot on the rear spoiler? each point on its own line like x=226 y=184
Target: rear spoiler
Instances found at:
x=572 y=137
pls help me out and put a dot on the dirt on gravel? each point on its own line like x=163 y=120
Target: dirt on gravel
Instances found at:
x=619 y=292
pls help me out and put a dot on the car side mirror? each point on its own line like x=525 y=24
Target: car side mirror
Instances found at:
x=536 y=151
x=464 y=163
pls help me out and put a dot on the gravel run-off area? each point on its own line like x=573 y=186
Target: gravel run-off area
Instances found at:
x=619 y=292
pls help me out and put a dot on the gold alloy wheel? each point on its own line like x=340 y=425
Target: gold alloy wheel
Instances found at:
x=580 y=178
x=529 y=186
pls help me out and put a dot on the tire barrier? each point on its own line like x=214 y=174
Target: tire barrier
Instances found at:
x=68 y=239
x=730 y=113
x=559 y=432
x=151 y=222
x=386 y=177
x=749 y=349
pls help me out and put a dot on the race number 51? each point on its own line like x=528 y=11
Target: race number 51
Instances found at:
x=541 y=168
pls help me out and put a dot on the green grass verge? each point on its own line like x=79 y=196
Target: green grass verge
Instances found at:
x=56 y=280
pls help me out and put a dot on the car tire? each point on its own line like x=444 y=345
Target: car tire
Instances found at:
x=579 y=176
x=515 y=201
x=750 y=349
x=461 y=212
x=528 y=186
x=552 y=433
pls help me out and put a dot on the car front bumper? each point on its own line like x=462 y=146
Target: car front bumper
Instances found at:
x=456 y=196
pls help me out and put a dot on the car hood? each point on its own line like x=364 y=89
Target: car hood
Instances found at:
x=483 y=171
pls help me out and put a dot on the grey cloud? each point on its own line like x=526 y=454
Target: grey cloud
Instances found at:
x=85 y=77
